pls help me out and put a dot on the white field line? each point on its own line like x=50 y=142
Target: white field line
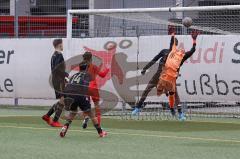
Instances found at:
x=133 y=134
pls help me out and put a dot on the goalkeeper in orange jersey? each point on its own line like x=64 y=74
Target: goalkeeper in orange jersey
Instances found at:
x=154 y=81
x=170 y=71
x=94 y=71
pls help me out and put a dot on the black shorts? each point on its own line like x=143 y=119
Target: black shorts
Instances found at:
x=79 y=101
x=58 y=87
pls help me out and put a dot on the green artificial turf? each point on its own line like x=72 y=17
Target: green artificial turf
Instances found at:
x=27 y=137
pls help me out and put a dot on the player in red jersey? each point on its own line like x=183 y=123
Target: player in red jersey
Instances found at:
x=94 y=71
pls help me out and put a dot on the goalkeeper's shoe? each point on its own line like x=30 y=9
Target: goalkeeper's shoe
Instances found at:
x=56 y=124
x=181 y=116
x=63 y=131
x=85 y=123
x=103 y=134
x=136 y=111
x=47 y=118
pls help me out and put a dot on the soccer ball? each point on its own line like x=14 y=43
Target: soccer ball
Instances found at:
x=187 y=22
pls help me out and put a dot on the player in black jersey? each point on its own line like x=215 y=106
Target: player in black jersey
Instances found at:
x=76 y=93
x=58 y=82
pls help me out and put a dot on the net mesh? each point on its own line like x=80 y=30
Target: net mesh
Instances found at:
x=206 y=110
x=223 y=22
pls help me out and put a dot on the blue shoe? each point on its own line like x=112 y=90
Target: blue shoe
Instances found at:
x=136 y=111
x=181 y=117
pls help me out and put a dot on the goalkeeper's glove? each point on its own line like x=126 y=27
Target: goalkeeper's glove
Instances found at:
x=194 y=34
x=171 y=30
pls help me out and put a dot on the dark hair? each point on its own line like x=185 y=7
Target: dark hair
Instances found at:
x=56 y=42
x=87 y=56
x=83 y=66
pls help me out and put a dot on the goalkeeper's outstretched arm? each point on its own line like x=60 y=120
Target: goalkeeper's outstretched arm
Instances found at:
x=172 y=41
x=162 y=52
x=171 y=32
x=154 y=60
x=193 y=49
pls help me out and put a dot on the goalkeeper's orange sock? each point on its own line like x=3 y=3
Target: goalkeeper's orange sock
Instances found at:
x=171 y=101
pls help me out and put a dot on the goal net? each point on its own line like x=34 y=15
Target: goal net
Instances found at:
x=128 y=39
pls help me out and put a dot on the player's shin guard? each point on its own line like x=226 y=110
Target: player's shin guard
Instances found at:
x=98 y=115
x=98 y=128
x=58 y=111
x=52 y=109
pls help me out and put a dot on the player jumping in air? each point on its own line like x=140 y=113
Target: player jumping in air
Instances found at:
x=170 y=70
x=77 y=91
x=58 y=82
x=94 y=71
x=153 y=82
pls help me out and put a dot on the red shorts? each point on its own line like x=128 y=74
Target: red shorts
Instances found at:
x=93 y=91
